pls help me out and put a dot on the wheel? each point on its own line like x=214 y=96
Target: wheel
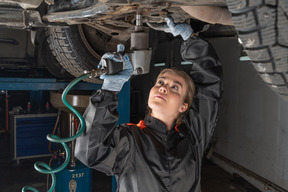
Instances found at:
x=79 y=47
x=262 y=27
x=52 y=64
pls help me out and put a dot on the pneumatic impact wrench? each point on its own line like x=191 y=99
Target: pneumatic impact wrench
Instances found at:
x=139 y=54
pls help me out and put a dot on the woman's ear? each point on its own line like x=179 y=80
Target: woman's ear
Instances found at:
x=183 y=108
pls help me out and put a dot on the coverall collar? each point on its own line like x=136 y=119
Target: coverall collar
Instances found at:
x=156 y=124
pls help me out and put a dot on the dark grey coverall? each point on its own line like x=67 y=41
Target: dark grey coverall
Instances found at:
x=147 y=157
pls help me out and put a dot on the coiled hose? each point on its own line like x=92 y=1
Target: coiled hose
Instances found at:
x=53 y=138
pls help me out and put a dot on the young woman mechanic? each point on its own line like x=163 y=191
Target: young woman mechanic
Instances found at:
x=164 y=151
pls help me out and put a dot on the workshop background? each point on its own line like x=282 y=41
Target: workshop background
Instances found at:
x=249 y=148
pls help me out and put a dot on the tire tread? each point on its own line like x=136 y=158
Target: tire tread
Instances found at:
x=263 y=27
x=64 y=52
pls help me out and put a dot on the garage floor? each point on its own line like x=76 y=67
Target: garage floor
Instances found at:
x=13 y=177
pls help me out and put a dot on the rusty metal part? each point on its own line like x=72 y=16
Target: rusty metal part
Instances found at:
x=119 y=11
x=179 y=2
x=120 y=23
x=12 y=20
x=114 y=17
x=100 y=42
x=71 y=16
x=152 y=10
x=122 y=34
x=198 y=2
x=157 y=15
x=33 y=19
x=117 y=14
x=84 y=40
x=20 y=19
x=25 y=4
x=158 y=26
x=210 y=14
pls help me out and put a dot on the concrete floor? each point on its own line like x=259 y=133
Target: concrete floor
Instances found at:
x=14 y=176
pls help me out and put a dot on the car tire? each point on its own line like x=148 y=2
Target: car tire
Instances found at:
x=262 y=27
x=51 y=64
x=73 y=50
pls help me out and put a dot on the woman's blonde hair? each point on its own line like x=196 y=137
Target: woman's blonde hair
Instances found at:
x=188 y=97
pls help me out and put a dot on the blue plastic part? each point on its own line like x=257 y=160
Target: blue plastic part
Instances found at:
x=80 y=174
x=42 y=84
x=114 y=184
x=123 y=107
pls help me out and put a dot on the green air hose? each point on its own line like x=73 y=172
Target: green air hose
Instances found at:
x=56 y=139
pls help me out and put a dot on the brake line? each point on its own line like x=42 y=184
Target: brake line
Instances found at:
x=53 y=138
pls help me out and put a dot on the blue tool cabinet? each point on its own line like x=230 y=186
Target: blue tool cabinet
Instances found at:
x=28 y=134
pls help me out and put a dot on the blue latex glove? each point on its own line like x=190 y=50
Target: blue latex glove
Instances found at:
x=182 y=29
x=115 y=82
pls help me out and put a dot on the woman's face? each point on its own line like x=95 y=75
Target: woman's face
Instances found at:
x=166 y=97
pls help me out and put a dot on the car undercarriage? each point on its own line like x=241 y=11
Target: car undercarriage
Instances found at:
x=90 y=27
